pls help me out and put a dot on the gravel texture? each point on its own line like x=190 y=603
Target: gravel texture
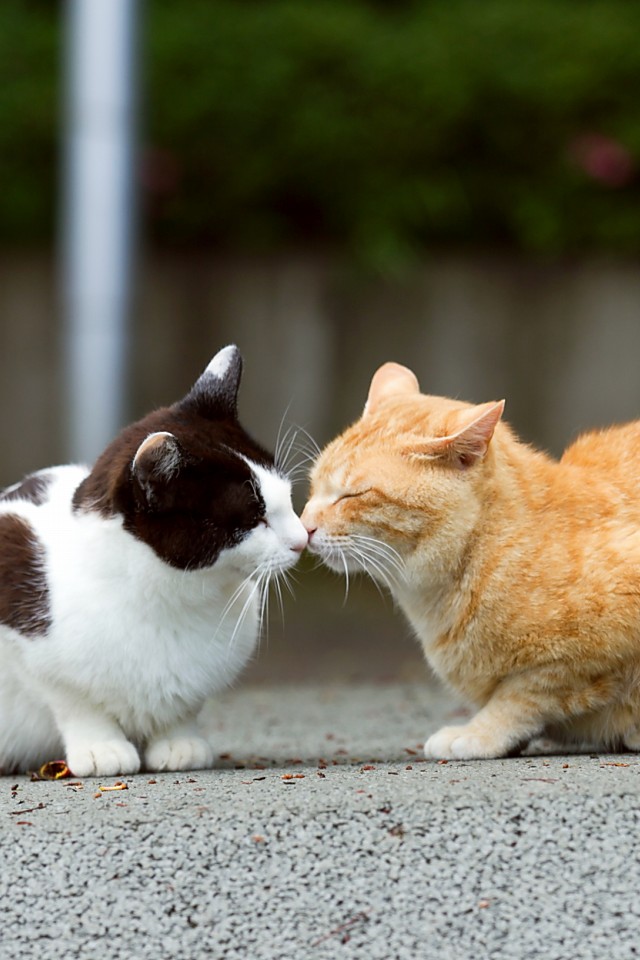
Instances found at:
x=324 y=834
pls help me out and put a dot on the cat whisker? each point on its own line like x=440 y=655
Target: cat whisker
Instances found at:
x=314 y=446
x=263 y=618
x=232 y=599
x=306 y=456
x=278 y=591
x=384 y=550
x=287 y=578
x=372 y=565
x=346 y=575
x=288 y=442
x=368 y=566
x=245 y=609
x=300 y=465
x=282 y=438
x=283 y=459
x=296 y=474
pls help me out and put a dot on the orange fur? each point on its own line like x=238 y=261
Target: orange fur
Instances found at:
x=519 y=574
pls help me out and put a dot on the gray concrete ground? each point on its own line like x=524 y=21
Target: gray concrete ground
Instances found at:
x=323 y=834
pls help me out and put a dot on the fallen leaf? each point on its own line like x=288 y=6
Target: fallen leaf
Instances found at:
x=52 y=770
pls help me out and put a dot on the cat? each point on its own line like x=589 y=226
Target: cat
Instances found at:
x=520 y=574
x=129 y=593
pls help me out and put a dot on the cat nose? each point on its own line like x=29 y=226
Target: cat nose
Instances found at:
x=298 y=537
x=299 y=545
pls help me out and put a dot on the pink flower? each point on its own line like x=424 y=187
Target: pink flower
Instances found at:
x=603 y=159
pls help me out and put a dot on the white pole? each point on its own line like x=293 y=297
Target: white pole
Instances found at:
x=98 y=216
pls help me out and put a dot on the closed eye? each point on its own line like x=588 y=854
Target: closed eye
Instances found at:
x=350 y=496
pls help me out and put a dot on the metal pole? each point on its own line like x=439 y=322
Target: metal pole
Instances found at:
x=98 y=216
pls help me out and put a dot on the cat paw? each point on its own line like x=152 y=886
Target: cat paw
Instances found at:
x=461 y=743
x=106 y=759
x=631 y=740
x=180 y=753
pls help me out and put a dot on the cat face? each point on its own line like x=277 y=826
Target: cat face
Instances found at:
x=192 y=484
x=405 y=478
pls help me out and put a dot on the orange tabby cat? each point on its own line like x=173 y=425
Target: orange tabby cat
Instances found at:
x=519 y=574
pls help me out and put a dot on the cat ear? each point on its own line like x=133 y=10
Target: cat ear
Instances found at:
x=157 y=459
x=214 y=395
x=470 y=441
x=390 y=380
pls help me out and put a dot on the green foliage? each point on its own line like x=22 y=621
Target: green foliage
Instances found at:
x=380 y=127
x=28 y=113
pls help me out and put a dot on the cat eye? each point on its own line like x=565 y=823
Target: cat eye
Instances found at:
x=351 y=496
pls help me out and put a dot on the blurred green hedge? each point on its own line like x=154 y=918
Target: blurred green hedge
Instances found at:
x=380 y=127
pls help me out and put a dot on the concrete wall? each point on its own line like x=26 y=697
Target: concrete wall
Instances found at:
x=561 y=341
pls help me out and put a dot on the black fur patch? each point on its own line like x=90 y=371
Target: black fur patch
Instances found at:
x=33 y=488
x=209 y=504
x=201 y=500
x=24 y=593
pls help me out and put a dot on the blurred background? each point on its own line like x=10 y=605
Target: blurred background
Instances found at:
x=450 y=184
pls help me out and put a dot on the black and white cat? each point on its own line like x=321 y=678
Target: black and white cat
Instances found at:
x=129 y=594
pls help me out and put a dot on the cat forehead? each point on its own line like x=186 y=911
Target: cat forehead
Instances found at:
x=274 y=489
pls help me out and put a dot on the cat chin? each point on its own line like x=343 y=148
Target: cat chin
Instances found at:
x=246 y=564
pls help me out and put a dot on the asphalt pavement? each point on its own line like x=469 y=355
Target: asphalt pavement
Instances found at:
x=323 y=833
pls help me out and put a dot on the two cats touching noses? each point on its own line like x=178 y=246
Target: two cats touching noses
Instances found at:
x=132 y=592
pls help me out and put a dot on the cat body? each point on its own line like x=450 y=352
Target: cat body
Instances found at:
x=130 y=593
x=520 y=575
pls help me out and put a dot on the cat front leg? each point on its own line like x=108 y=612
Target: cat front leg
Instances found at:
x=480 y=739
x=95 y=746
x=521 y=709
x=181 y=747
x=503 y=726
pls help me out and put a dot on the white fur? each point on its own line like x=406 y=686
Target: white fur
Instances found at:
x=219 y=366
x=135 y=647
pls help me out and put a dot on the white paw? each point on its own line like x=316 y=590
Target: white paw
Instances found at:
x=462 y=743
x=179 y=753
x=104 y=759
